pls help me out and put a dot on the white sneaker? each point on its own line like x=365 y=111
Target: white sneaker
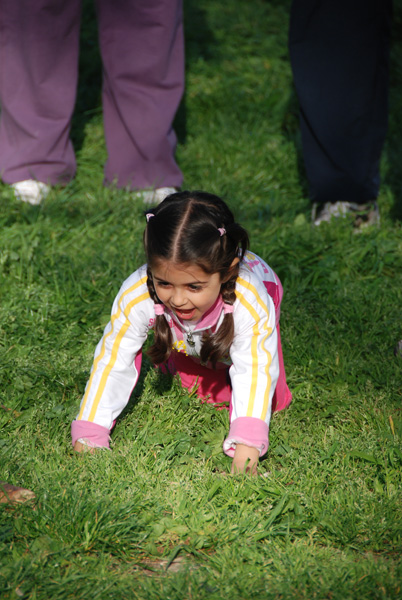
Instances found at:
x=362 y=214
x=31 y=191
x=153 y=197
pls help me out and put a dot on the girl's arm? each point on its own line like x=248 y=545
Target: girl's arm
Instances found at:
x=116 y=364
x=254 y=372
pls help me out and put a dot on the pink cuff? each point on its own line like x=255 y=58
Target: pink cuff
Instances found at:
x=248 y=431
x=92 y=432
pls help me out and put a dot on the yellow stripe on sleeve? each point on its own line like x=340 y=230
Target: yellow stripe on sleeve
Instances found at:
x=253 y=290
x=254 y=348
x=114 y=349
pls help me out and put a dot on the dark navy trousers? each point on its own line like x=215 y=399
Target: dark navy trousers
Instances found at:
x=339 y=53
x=142 y=49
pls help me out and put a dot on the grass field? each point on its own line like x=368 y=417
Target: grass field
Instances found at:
x=160 y=517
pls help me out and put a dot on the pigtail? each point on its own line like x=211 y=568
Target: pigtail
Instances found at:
x=160 y=350
x=239 y=235
x=217 y=345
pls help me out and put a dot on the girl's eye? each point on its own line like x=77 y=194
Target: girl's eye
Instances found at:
x=194 y=288
x=163 y=283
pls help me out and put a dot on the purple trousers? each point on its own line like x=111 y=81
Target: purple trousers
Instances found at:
x=142 y=49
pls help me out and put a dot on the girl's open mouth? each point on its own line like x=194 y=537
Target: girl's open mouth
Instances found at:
x=185 y=314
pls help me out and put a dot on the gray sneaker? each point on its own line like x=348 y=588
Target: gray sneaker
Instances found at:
x=363 y=214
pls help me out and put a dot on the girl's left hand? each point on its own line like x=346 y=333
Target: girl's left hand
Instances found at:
x=245 y=460
x=79 y=447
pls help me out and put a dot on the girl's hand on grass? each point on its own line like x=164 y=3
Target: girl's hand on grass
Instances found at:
x=79 y=447
x=245 y=460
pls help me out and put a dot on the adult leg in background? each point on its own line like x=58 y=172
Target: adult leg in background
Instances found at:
x=39 y=44
x=142 y=50
x=339 y=54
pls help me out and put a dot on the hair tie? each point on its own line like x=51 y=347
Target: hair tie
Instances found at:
x=227 y=308
x=149 y=216
x=159 y=308
x=222 y=231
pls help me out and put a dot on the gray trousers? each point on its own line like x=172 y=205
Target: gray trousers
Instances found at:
x=142 y=49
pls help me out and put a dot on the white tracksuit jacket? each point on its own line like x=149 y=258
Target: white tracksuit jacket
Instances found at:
x=254 y=366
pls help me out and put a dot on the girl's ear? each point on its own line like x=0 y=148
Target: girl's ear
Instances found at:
x=229 y=273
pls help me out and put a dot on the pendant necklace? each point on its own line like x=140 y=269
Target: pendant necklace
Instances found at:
x=189 y=337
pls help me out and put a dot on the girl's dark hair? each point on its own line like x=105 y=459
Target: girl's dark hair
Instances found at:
x=185 y=230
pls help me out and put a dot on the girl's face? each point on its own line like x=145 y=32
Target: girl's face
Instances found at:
x=186 y=289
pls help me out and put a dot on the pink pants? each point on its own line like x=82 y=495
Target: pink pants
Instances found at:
x=213 y=385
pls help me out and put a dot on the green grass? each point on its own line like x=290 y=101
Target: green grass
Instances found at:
x=160 y=516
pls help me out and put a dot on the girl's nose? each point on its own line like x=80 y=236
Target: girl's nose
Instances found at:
x=178 y=298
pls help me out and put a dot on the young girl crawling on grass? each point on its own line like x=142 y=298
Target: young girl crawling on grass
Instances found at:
x=214 y=308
